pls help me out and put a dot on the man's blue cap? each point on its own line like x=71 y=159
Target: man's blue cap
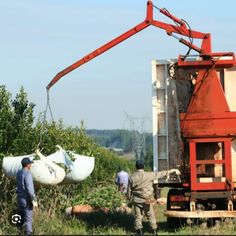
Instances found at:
x=139 y=164
x=26 y=161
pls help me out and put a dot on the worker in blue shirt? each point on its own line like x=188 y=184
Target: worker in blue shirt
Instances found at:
x=122 y=180
x=26 y=198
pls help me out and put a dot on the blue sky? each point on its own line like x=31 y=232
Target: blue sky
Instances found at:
x=40 y=38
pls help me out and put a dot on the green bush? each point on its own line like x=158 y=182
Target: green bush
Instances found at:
x=106 y=197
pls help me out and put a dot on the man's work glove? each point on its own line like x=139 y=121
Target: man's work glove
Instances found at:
x=35 y=204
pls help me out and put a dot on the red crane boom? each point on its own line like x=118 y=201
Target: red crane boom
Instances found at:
x=180 y=27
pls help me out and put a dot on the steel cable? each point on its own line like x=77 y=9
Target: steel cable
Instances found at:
x=44 y=121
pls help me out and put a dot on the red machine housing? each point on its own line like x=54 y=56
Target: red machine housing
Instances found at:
x=209 y=120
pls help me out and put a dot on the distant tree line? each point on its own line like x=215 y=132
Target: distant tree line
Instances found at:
x=124 y=139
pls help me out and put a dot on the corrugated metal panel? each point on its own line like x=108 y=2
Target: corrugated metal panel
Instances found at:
x=165 y=122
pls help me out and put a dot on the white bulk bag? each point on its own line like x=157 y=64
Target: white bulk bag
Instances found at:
x=43 y=171
x=82 y=167
x=78 y=167
x=11 y=165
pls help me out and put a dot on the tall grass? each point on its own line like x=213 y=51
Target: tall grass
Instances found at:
x=101 y=223
x=59 y=224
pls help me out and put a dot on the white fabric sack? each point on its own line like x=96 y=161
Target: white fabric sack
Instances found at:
x=43 y=171
x=11 y=165
x=78 y=167
x=47 y=170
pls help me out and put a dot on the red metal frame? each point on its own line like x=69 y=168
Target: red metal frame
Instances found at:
x=179 y=28
x=208 y=124
x=218 y=60
x=195 y=185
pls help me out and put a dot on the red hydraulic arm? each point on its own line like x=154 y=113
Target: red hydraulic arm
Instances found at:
x=180 y=27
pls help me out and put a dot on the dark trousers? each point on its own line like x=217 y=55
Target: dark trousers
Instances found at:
x=25 y=209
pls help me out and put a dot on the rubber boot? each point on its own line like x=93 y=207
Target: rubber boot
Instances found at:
x=154 y=232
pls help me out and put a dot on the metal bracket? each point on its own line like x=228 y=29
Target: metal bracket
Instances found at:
x=192 y=206
x=230 y=205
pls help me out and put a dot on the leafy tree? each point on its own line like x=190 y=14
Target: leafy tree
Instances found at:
x=24 y=140
x=5 y=120
x=16 y=123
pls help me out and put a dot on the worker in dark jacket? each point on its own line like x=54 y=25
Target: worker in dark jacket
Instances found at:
x=26 y=198
x=141 y=193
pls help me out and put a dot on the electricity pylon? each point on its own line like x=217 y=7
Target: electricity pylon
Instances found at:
x=138 y=127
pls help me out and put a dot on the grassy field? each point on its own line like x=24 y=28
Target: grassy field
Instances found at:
x=115 y=224
x=101 y=223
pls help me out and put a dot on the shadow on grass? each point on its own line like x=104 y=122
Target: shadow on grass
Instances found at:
x=162 y=226
x=119 y=220
x=111 y=219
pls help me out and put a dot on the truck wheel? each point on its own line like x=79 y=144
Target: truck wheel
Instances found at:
x=174 y=222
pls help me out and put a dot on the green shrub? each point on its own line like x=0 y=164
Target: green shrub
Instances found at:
x=103 y=197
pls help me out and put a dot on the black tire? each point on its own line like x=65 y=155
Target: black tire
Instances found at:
x=174 y=222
